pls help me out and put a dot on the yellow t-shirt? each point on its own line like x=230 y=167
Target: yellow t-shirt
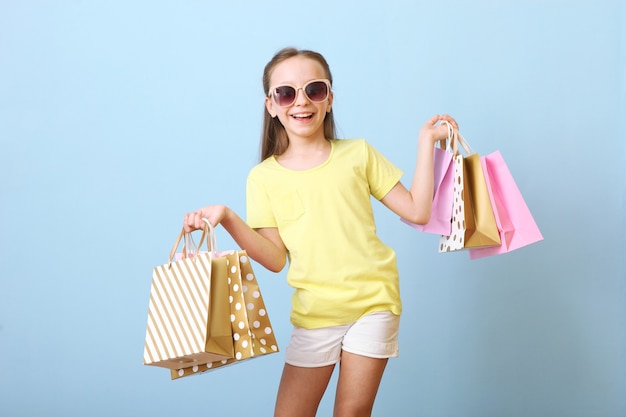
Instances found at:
x=338 y=266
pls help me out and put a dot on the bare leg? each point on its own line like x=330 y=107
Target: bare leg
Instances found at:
x=359 y=378
x=301 y=390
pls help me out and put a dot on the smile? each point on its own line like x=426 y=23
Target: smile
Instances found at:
x=302 y=115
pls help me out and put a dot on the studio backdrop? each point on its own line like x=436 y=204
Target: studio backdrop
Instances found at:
x=117 y=117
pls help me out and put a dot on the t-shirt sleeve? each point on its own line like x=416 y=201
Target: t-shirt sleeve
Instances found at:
x=259 y=212
x=382 y=174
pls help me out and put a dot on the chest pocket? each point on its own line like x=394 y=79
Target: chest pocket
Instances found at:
x=288 y=206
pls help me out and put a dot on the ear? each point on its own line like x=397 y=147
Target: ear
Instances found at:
x=330 y=101
x=269 y=105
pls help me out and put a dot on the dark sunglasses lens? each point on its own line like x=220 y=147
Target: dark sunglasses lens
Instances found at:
x=284 y=95
x=317 y=91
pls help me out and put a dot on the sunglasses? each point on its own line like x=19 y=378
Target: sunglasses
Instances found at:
x=315 y=90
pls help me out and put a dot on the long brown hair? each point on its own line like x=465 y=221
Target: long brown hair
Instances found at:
x=274 y=140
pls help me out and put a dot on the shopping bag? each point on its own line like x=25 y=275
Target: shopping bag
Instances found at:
x=456 y=239
x=458 y=227
x=188 y=313
x=252 y=332
x=441 y=212
x=515 y=222
x=480 y=222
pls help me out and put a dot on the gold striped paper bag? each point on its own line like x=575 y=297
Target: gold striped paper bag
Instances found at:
x=189 y=312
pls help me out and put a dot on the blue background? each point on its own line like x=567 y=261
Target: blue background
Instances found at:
x=117 y=117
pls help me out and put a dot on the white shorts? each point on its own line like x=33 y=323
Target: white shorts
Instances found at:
x=374 y=335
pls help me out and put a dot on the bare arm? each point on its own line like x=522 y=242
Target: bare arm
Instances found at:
x=263 y=245
x=415 y=204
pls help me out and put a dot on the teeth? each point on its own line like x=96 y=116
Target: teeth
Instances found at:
x=302 y=115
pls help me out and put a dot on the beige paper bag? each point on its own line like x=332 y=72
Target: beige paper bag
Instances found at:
x=480 y=222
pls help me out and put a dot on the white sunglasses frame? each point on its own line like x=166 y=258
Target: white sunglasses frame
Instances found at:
x=272 y=91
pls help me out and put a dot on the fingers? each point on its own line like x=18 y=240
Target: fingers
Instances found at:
x=193 y=221
x=440 y=118
x=433 y=120
x=434 y=130
x=214 y=214
x=448 y=119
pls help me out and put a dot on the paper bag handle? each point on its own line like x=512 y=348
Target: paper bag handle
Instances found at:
x=458 y=139
x=187 y=238
x=454 y=139
x=209 y=232
x=445 y=143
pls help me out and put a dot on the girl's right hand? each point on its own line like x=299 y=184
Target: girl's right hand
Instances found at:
x=215 y=215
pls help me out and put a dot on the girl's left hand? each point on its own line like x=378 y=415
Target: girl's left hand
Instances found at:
x=432 y=132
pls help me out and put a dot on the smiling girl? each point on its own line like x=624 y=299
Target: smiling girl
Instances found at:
x=308 y=201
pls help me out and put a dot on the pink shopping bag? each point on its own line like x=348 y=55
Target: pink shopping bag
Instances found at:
x=441 y=212
x=516 y=224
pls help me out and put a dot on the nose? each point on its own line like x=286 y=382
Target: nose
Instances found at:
x=301 y=97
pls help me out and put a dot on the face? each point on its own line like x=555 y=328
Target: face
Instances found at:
x=303 y=118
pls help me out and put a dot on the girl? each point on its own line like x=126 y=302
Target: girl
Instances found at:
x=309 y=201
